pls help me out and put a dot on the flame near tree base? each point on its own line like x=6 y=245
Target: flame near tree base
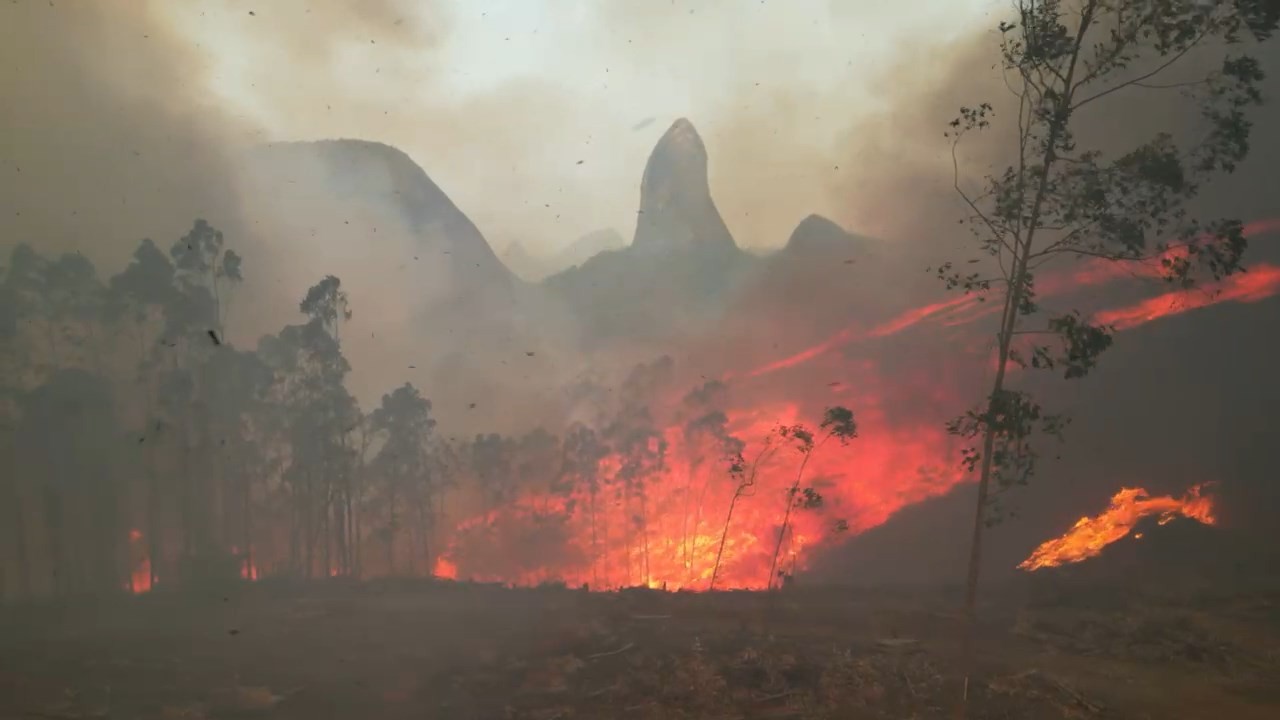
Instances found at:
x=1090 y=535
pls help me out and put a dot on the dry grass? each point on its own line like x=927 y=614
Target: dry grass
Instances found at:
x=460 y=652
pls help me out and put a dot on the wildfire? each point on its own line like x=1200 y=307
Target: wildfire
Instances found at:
x=668 y=533
x=1090 y=535
x=689 y=520
x=1259 y=283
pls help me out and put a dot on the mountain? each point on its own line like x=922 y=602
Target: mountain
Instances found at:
x=434 y=301
x=534 y=267
x=681 y=265
x=676 y=209
x=816 y=235
x=587 y=247
x=523 y=264
x=821 y=281
x=380 y=177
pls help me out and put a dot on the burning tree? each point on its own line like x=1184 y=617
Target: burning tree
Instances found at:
x=1063 y=61
x=582 y=453
x=837 y=423
x=405 y=470
x=707 y=432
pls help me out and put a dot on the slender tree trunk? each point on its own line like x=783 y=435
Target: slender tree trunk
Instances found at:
x=644 y=534
x=153 y=519
x=688 y=535
x=53 y=530
x=391 y=535
x=1009 y=319
x=628 y=529
x=246 y=519
x=294 y=521
x=765 y=453
x=595 y=551
x=326 y=534
x=786 y=516
x=308 y=528
x=357 y=529
x=18 y=522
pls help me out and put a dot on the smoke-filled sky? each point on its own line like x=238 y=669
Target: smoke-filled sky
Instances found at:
x=499 y=101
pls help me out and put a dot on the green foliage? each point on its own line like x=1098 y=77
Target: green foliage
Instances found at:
x=837 y=422
x=1057 y=199
x=492 y=456
x=326 y=303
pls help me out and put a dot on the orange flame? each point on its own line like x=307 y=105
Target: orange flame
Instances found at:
x=248 y=569
x=667 y=533
x=895 y=325
x=666 y=529
x=1260 y=283
x=1090 y=535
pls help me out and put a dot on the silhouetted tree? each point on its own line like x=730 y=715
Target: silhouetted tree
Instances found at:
x=837 y=422
x=583 y=451
x=404 y=467
x=69 y=440
x=310 y=369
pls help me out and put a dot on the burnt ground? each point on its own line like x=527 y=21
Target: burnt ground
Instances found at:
x=415 y=650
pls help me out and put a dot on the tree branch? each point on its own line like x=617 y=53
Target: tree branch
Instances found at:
x=1145 y=76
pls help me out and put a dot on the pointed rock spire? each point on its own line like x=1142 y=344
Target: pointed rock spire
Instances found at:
x=676 y=209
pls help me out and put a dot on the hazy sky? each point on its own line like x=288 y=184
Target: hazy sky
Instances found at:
x=499 y=100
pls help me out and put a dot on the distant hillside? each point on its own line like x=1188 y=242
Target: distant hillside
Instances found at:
x=533 y=267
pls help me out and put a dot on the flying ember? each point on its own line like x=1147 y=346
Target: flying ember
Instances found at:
x=1090 y=535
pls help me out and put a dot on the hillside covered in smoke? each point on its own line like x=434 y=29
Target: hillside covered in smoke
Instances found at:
x=332 y=372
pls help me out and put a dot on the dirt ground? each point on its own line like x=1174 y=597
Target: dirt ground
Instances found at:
x=416 y=650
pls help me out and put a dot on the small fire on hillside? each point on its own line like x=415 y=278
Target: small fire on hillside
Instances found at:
x=1090 y=535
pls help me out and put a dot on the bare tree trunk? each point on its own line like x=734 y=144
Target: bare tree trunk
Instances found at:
x=18 y=522
x=741 y=490
x=595 y=552
x=786 y=516
x=308 y=527
x=644 y=534
x=57 y=549
x=153 y=520
x=391 y=534
x=686 y=542
x=628 y=528
x=246 y=519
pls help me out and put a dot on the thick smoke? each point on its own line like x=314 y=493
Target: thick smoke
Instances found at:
x=1173 y=404
x=125 y=120
x=110 y=134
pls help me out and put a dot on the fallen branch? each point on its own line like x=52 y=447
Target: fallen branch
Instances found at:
x=619 y=651
x=1073 y=694
x=777 y=696
x=602 y=691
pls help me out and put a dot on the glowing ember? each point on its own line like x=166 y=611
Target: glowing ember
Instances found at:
x=248 y=570
x=1090 y=535
x=140 y=576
